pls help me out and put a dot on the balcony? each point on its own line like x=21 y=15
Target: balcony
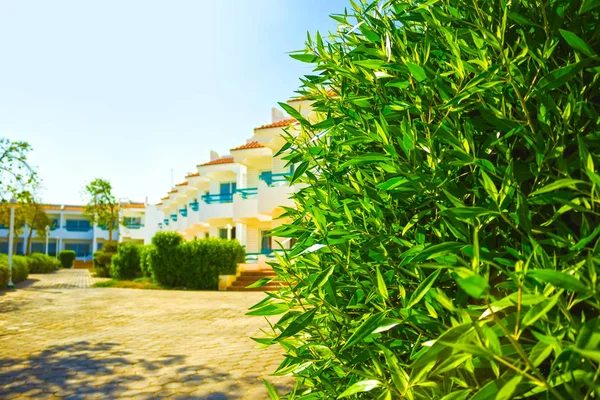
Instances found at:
x=218 y=198
x=217 y=206
x=174 y=217
x=245 y=205
x=272 y=197
x=183 y=212
x=272 y=179
x=194 y=205
x=133 y=226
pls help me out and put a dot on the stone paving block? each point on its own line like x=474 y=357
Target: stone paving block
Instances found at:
x=63 y=339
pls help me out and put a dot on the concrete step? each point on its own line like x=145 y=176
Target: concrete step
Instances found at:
x=267 y=288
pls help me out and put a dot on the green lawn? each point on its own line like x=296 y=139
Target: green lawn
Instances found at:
x=138 y=283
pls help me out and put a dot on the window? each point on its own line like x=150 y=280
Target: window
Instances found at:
x=132 y=222
x=80 y=249
x=206 y=235
x=223 y=233
x=265 y=242
x=77 y=225
x=233 y=233
x=228 y=188
x=41 y=248
x=99 y=245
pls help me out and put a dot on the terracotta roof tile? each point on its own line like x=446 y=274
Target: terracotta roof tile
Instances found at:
x=278 y=124
x=52 y=207
x=181 y=184
x=192 y=174
x=173 y=191
x=74 y=208
x=252 y=145
x=223 y=160
x=133 y=205
x=158 y=204
x=165 y=198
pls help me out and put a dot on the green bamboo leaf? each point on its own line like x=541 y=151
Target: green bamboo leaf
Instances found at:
x=400 y=84
x=399 y=376
x=489 y=186
x=323 y=277
x=540 y=310
x=360 y=387
x=293 y=113
x=270 y=309
x=508 y=388
x=559 y=184
x=593 y=355
x=417 y=72
x=259 y=283
x=371 y=64
x=422 y=289
x=469 y=212
x=475 y=286
x=577 y=43
x=271 y=390
x=299 y=323
x=365 y=329
x=307 y=58
x=584 y=241
x=558 y=279
x=392 y=183
x=381 y=287
x=300 y=170
x=587 y=5
x=562 y=75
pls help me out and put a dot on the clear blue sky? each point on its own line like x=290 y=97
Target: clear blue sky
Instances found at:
x=127 y=90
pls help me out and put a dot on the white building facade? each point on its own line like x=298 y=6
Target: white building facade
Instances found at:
x=241 y=195
x=71 y=230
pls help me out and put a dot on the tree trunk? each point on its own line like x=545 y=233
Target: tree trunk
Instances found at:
x=110 y=229
x=28 y=249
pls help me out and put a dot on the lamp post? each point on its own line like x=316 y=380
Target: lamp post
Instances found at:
x=47 y=234
x=11 y=238
x=56 y=250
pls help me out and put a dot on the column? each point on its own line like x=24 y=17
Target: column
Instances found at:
x=94 y=239
x=240 y=233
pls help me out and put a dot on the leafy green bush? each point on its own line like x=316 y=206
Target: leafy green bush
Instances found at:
x=67 y=258
x=145 y=259
x=195 y=264
x=42 y=264
x=164 y=262
x=20 y=269
x=125 y=264
x=449 y=218
x=102 y=259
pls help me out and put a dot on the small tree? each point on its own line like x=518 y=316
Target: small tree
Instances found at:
x=102 y=207
x=15 y=172
x=32 y=214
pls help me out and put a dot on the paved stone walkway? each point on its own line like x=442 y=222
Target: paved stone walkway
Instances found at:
x=61 y=279
x=57 y=341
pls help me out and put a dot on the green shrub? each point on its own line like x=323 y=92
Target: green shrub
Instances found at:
x=164 y=262
x=20 y=269
x=195 y=264
x=67 y=258
x=145 y=256
x=102 y=259
x=448 y=223
x=125 y=264
x=42 y=264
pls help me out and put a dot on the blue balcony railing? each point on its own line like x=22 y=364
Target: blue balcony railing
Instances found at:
x=248 y=193
x=183 y=212
x=160 y=225
x=133 y=226
x=194 y=205
x=174 y=217
x=166 y=221
x=218 y=198
x=272 y=179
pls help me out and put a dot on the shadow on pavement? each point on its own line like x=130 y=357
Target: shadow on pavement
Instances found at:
x=102 y=371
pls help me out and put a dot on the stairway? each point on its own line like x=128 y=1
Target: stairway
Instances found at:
x=80 y=264
x=249 y=277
